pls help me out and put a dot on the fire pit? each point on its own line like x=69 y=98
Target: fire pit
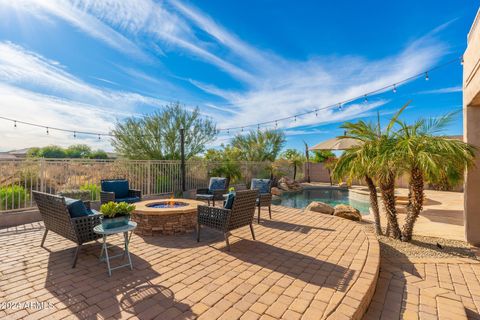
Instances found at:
x=166 y=216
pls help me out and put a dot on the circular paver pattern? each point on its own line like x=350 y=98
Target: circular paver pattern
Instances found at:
x=302 y=265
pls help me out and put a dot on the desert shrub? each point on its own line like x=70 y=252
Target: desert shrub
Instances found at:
x=94 y=190
x=13 y=197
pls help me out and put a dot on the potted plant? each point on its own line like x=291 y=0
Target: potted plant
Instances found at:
x=116 y=214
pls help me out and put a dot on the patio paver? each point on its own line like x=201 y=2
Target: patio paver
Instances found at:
x=302 y=266
x=427 y=289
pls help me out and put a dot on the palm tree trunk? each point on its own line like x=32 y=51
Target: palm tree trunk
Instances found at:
x=374 y=204
x=415 y=203
x=294 y=172
x=388 y=196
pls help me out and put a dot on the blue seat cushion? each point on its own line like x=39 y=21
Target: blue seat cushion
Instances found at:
x=218 y=184
x=119 y=187
x=262 y=185
x=76 y=208
x=127 y=199
x=229 y=201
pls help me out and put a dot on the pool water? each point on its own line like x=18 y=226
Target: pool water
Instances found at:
x=327 y=195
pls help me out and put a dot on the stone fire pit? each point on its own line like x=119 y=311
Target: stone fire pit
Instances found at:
x=165 y=216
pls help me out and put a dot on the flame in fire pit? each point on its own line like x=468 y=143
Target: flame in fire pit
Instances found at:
x=172 y=202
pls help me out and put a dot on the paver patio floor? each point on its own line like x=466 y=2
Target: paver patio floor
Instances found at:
x=302 y=265
x=427 y=289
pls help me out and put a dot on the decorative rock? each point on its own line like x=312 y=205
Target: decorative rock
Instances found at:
x=347 y=212
x=320 y=207
x=287 y=184
x=276 y=191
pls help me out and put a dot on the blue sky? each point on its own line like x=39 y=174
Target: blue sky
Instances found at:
x=81 y=65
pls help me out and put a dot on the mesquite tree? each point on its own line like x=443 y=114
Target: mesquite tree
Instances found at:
x=157 y=136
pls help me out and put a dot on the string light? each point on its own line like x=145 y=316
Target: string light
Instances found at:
x=74 y=135
x=47 y=131
x=99 y=137
x=424 y=74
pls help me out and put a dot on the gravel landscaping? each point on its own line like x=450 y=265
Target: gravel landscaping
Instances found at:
x=424 y=247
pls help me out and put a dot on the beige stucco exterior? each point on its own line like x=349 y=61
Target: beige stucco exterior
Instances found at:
x=471 y=131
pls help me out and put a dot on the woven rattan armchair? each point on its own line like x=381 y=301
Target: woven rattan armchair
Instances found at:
x=109 y=196
x=56 y=218
x=218 y=186
x=226 y=220
x=264 y=197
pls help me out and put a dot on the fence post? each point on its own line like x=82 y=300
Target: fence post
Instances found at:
x=149 y=177
x=182 y=157
x=42 y=175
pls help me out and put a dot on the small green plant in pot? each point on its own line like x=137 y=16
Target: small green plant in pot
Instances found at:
x=116 y=214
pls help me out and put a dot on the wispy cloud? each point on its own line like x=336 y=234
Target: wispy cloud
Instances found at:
x=269 y=85
x=442 y=90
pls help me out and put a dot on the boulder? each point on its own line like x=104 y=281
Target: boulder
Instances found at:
x=287 y=184
x=276 y=191
x=320 y=207
x=347 y=212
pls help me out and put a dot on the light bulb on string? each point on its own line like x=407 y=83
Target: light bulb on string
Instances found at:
x=14 y=124
x=365 y=99
x=258 y=127
x=74 y=135
x=48 y=131
x=242 y=129
x=276 y=124
x=394 y=88
x=461 y=61
x=426 y=76
x=340 y=106
x=99 y=137
x=316 y=113
x=295 y=119
x=228 y=131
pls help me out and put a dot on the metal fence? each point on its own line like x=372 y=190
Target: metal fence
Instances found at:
x=19 y=177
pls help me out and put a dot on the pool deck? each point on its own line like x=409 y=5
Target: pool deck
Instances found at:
x=442 y=215
x=302 y=266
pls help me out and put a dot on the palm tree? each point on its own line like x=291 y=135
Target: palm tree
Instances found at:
x=427 y=157
x=295 y=159
x=356 y=163
x=259 y=145
x=374 y=159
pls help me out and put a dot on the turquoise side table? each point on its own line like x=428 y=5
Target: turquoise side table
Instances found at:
x=106 y=232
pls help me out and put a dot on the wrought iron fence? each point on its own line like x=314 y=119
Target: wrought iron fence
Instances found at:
x=19 y=177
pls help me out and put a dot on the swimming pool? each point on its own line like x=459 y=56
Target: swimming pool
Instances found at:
x=331 y=196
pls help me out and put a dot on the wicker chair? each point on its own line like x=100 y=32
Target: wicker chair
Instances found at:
x=226 y=220
x=264 y=198
x=56 y=218
x=213 y=192
x=108 y=196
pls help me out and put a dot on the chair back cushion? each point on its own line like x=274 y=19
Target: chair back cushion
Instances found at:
x=119 y=187
x=217 y=183
x=76 y=208
x=243 y=209
x=55 y=215
x=229 y=201
x=262 y=185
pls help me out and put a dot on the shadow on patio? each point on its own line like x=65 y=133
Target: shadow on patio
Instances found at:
x=88 y=291
x=293 y=264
